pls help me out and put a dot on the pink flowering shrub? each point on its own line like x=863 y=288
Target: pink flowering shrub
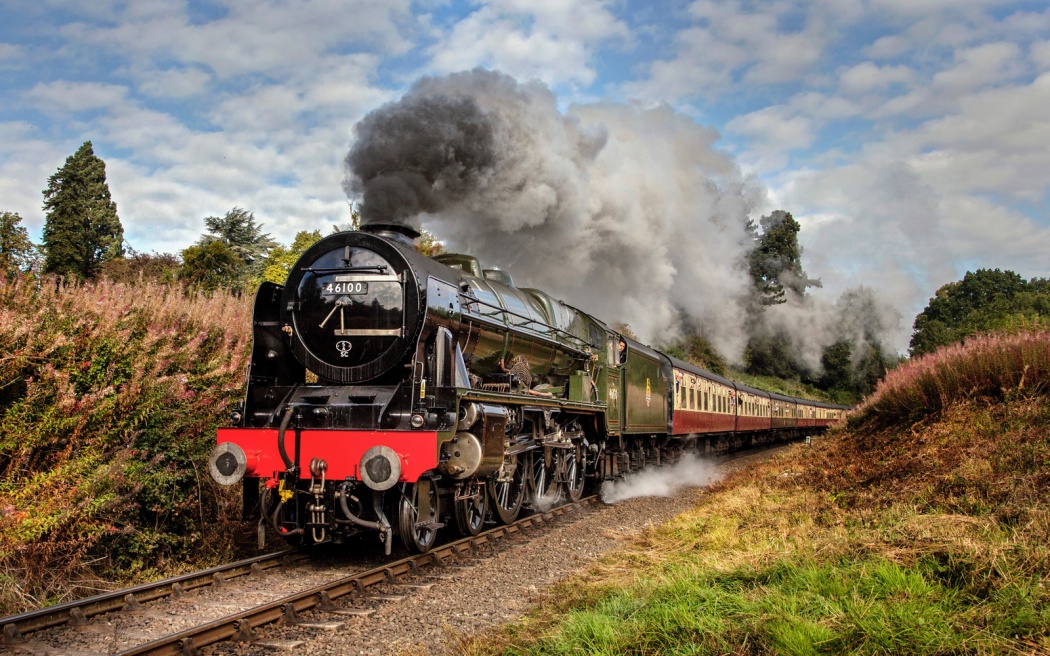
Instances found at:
x=997 y=366
x=110 y=394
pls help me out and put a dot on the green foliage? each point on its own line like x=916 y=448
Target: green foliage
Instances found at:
x=770 y=353
x=776 y=261
x=786 y=386
x=82 y=229
x=775 y=265
x=239 y=231
x=109 y=398
x=982 y=301
x=697 y=350
x=852 y=371
x=793 y=606
x=278 y=264
x=17 y=253
x=427 y=243
x=213 y=266
x=245 y=243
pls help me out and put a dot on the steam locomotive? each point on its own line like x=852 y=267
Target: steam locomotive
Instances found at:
x=395 y=393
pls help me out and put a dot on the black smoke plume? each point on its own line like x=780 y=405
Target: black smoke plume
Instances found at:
x=419 y=156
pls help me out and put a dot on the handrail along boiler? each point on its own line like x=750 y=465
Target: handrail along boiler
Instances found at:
x=395 y=393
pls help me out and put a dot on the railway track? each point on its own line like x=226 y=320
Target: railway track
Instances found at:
x=241 y=625
x=77 y=613
x=97 y=629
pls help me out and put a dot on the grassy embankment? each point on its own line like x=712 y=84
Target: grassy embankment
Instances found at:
x=922 y=527
x=109 y=397
x=785 y=386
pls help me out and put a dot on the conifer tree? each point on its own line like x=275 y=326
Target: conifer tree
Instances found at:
x=244 y=237
x=82 y=229
x=776 y=261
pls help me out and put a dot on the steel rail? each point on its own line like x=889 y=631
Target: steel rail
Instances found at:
x=77 y=612
x=240 y=625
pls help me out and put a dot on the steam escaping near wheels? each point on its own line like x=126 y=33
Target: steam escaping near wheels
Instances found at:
x=690 y=471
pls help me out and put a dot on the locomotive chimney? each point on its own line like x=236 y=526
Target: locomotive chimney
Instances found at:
x=398 y=232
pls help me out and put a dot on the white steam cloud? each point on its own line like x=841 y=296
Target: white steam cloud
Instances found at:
x=690 y=471
x=630 y=213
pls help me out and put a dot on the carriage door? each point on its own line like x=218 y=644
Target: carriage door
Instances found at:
x=614 y=381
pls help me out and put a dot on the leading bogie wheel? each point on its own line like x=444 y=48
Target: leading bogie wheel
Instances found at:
x=418 y=533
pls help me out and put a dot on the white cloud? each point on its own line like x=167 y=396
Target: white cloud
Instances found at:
x=11 y=53
x=888 y=47
x=917 y=209
x=548 y=40
x=729 y=46
x=990 y=63
x=75 y=96
x=774 y=131
x=173 y=82
x=271 y=38
x=1040 y=54
x=867 y=77
x=992 y=144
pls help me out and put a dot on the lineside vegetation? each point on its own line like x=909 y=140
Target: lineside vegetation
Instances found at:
x=922 y=528
x=110 y=397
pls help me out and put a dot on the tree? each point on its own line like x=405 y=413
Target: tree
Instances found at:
x=775 y=265
x=769 y=352
x=279 y=262
x=81 y=230
x=212 y=266
x=776 y=261
x=852 y=370
x=984 y=300
x=427 y=244
x=238 y=230
x=17 y=253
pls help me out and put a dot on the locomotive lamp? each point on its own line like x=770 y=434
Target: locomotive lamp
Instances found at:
x=380 y=468
x=227 y=463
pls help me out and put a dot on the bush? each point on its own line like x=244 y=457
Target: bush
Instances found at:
x=992 y=365
x=109 y=397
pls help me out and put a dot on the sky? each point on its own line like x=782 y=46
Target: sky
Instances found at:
x=909 y=138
